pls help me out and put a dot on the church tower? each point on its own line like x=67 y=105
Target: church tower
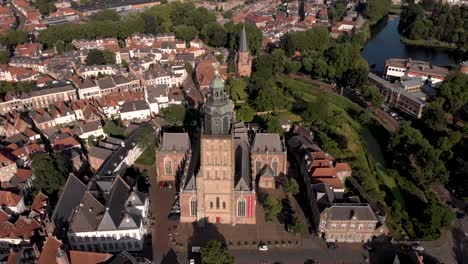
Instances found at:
x=244 y=61
x=215 y=180
x=218 y=109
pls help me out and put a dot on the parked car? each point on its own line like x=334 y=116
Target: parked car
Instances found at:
x=417 y=248
x=263 y=247
x=332 y=245
x=405 y=247
x=192 y=261
x=173 y=216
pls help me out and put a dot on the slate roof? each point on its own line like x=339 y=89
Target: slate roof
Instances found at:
x=243 y=47
x=179 y=142
x=88 y=214
x=70 y=198
x=267 y=172
x=134 y=106
x=100 y=153
x=264 y=142
x=115 y=205
x=106 y=82
x=242 y=179
x=345 y=212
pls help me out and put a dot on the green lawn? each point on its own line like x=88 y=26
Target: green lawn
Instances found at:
x=147 y=157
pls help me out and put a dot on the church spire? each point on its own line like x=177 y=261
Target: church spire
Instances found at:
x=243 y=47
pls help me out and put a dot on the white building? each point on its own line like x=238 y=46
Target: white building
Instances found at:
x=433 y=75
x=94 y=129
x=135 y=111
x=157 y=97
x=117 y=224
x=88 y=90
x=96 y=70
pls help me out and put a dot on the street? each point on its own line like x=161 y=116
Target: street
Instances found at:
x=344 y=254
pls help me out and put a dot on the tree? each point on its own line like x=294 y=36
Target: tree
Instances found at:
x=104 y=15
x=50 y=171
x=245 y=113
x=317 y=110
x=416 y=156
x=45 y=6
x=146 y=137
x=271 y=98
x=273 y=208
x=214 y=34
x=372 y=95
x=376 y=9
x=95 y=57
x=263 y=68
x=293 y=66
x=215 y=253
x=237 y=89
x=4 y=57
x=13 y=37
x=186 y=33
x=279 y=61
x=174 y=114
x=434 y=116
x=109 y=56
x=60 y=47
x=125 y=64
x=228 y=14
x=114 y=129
x=291 y=187
x=315 y=39
x=25 y=87
x=189 y=68
x=354 y=78
x=455 y=92
x=297 y=225
x=273 y=124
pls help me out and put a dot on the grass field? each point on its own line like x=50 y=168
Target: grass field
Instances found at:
x=147 y=157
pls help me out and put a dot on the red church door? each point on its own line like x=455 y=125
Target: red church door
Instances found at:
x=218 y=220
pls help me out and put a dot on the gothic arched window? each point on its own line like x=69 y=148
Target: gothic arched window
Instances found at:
x=258 y=166
x=193 y=206
x=241 y=207
x=168 y=166
x=274 y=166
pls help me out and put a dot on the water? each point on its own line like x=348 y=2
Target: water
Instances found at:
x=385 y=43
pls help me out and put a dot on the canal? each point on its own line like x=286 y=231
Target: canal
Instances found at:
x=385 y=43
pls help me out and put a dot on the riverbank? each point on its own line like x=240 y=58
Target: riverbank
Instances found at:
x=395 y=10
x=428 y=44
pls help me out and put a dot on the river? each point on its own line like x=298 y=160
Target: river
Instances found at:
x=385 y=43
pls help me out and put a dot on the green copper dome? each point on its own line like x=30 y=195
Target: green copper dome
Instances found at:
x=217 y=83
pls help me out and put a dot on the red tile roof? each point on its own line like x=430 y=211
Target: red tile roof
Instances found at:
x=23 y=174
x=66 y=143
x=9 y=199
x=78 y=257
x=49 y=251
x=39 y=203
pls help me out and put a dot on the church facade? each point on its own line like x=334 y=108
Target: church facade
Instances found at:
x=221 y=190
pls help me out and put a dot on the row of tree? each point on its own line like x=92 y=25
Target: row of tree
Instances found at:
x=436 y=21
x=184 y=19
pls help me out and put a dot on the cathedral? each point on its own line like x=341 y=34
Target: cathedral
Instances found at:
x=226 y=163
x=220 y=190
x=218 y=183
